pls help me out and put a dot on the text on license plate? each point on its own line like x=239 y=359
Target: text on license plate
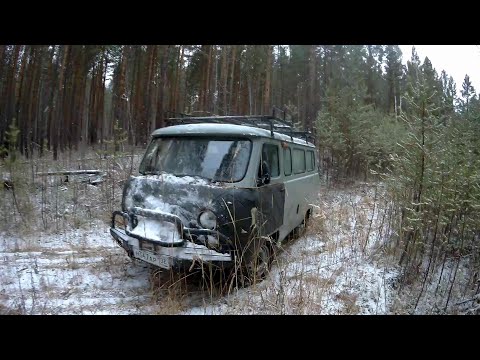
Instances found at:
x=155 y=259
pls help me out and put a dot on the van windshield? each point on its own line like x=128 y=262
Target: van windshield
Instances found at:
x=215 y=160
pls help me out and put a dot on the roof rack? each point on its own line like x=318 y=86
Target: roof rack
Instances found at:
x=268 y=122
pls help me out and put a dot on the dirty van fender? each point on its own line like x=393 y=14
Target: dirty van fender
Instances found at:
x=256 y=211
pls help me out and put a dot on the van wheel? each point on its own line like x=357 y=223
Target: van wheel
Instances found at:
x=307 y=220
x=257 y=261
x=301 y=229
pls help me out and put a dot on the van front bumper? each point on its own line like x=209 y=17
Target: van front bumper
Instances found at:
x=169 y=257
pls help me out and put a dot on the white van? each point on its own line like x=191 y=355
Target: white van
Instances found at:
x=221 y=191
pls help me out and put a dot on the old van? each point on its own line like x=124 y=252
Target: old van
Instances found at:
x=222 y=191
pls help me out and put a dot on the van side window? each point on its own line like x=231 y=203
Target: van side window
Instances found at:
x=310 y=160
x=298 y=161
x=287 y=161
x=270 y=155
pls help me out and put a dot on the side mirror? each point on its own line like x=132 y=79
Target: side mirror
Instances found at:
x=264 y=175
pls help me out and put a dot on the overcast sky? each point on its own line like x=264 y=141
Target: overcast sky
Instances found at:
x=456 y=60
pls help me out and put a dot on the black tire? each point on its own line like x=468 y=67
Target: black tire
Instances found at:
x=255 y=261
x=301 y=229
x=307 y=220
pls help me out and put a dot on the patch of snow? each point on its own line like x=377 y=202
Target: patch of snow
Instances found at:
x=157 y=204
x=180 y=180
x=157 y=230
x=76 y=272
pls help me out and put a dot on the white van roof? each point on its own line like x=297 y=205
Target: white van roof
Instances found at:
x=225 y=129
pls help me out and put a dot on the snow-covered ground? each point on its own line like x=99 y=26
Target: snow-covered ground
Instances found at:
x=328 y=270
x=57 y=257
x=325 y=271
x=77 y=272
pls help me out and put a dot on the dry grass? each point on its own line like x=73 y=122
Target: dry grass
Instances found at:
x=330 y=270
x=63 y=261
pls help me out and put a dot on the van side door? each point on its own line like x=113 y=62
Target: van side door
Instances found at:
x=271 y=193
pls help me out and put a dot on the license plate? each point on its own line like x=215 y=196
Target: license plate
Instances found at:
x=155 y=259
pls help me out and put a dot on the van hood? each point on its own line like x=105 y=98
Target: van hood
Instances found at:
x=183 y=196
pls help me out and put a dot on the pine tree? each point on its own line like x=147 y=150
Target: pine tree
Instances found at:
x=468 y=93
x=393 y=69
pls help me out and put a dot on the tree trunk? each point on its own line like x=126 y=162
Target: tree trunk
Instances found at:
x=207 y=103
x=101 y=96
x=232 y=96
x=3 y=50
x=161 y=89
x=35 y=97
x=92 y=123
x=310 y=113
x=57 y=101
x=153 y=88
x=64 y=102
x=120 y=97
x=9 y=94
x=53 y=71
x=20 y=120
x=268 y=71
x=240 y=98
x=214 y=82
x=37 y=103
x=282 y=79
x=176 y=79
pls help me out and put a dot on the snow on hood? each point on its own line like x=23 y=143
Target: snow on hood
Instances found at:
x=177 y=179
x=184 y=196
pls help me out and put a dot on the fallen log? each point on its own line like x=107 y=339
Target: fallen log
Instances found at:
x=70 y=172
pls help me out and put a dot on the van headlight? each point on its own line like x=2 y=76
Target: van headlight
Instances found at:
x=208 y=219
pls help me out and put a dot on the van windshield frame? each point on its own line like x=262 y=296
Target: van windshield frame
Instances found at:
x=162 y=156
